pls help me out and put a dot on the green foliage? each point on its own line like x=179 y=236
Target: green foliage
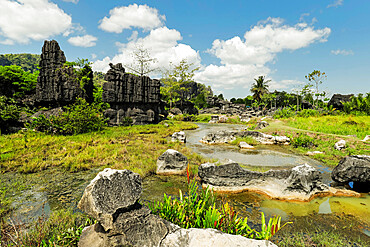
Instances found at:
x=284 y=113
x=358 y=105
x=303 y=140
x=79 y=118
x=28 y=62
x=21 y=82
x=316 y=77
x=198 y=210
x=175 y=81
x=259 y=88
x=62 y=228
x=9 y=113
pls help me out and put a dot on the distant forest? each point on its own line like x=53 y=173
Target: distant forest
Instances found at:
x=28 y=62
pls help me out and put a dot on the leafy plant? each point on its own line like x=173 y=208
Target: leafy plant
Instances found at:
x=9 y=113
x=302 y=140
x=79 y=118
x=198 y=209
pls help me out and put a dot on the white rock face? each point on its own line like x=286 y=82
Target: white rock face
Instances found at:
x=340 y=145
x=109 y=191
x=179 y=136
x=314 y=152
x=244 y=145
x=367 y=138
x=171 y=162
x=193 y=237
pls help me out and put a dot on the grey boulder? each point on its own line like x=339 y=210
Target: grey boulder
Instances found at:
x=110 y=191
x=179 y=136
x=171 y=162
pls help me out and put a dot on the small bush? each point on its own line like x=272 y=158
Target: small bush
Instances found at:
x=78 y=118
x=284 y=113
x=198 y=210
x=9 y=113
x=303 y=140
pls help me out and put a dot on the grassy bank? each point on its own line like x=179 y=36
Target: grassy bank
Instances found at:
x=136 y=148
x=321 y=133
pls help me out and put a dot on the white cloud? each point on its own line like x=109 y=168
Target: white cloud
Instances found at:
x=284 y=84
x=335 y=4
x=140 y=16
x=162 y=43
x=25 y=20
x=93 y=56
x=242 y=60
x=71 y=1
x=83 y=41
x=342 y=52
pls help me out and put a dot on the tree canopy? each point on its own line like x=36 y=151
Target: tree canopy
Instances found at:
x=259 y=88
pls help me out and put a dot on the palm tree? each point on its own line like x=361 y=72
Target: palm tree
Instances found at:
x=260 y=88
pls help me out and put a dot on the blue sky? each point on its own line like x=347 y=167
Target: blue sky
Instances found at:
x=231 y=41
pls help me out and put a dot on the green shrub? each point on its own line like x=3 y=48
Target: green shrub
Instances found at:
x=303 y=140
x=198 y=210
x=284 y=113
x=79 y=118
x=9 y=113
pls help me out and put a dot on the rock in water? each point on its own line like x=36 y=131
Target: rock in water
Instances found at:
x=171 y=162
x=301 y=183
x=356 y=169
x=244 y=145
x=179 y=136
x=110 y=191
x=193 y=237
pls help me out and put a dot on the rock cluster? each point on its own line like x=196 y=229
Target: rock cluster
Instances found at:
x=219 y=106
x=301 y=183
x=136 y=97
x=112 y=199
x=356 y=169
x=58 y=84
x=222 y=136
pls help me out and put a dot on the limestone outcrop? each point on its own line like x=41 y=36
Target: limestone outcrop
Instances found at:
x=179 y=136
x=112 y=197
x=57 y=84
x=337 y=100
x=356 y=169
x=172 y=162
x=136 y=97
x=301 y=183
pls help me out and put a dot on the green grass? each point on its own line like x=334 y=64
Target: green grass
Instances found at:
x=338 y=125
x=135 y=148
x=325 y=131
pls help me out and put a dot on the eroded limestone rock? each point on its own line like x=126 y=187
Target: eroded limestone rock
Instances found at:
x=356 y=169
x=110 y=191
x=171 y=162
x=301 y=183
x=179 y=136
x=340 y=145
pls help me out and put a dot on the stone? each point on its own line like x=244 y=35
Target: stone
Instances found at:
x=58 y=84
x=244 y=145
x=354 y=168
x=179 y=136
x=340 y=145
x=194 y=237
x=223 y=119
x=175 y=111
x=261 y=125
x=311 y=153
x=186 y=107
x=172 y=162
x=55 y=112
x=367 y=138
x=219 y=137
x=214 y=119
x=136 y=227
x=110 y=191
x=337 y=100
x=137 y=97
x=301 y=183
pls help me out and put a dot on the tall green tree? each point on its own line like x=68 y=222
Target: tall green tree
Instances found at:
x=260 y=88
x=176 y=79
x=317 y=77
